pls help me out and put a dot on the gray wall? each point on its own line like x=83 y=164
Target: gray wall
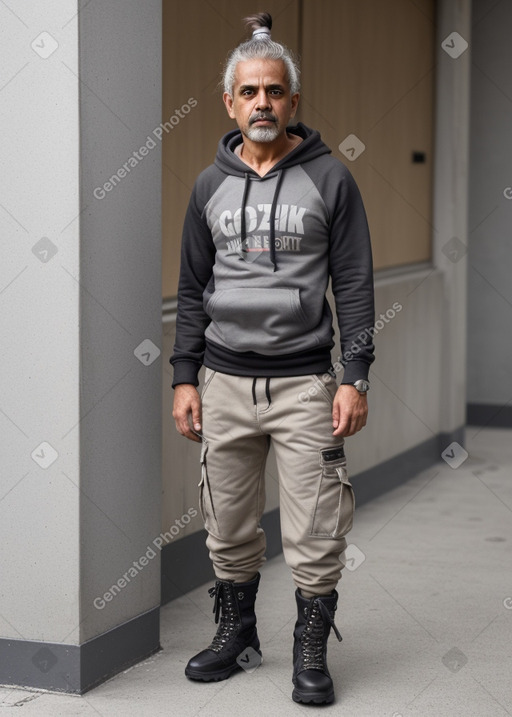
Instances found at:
x=120 y=257
x=39 y=184
x=80 y=291
x=450 y=215
x=490 y=244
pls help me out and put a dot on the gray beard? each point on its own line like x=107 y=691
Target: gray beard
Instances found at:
x=263 y=134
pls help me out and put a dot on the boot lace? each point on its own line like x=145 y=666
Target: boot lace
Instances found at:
x=225 y=609
x=312 y=640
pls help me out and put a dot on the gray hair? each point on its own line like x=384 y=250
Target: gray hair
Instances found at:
x=260 y=46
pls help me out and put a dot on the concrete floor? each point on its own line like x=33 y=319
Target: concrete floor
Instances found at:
x=425 y=612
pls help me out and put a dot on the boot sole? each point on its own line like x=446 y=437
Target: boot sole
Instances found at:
x=317 y=698
x=212 y=676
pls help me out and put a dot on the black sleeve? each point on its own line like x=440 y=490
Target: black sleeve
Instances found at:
x=351 y=270
x=197 y=259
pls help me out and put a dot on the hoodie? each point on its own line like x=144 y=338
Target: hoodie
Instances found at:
x=256 y=257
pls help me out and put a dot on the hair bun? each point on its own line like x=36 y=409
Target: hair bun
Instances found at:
x=260 y=24
x=261 y=33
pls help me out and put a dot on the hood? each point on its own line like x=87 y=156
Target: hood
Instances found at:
x=311 y=147
x=227 y=161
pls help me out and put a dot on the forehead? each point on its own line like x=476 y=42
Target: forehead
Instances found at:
x=260 y=71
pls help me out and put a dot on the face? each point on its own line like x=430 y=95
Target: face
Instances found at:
x=261 y=103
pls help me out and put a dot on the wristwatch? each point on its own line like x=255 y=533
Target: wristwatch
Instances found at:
x=362 y=386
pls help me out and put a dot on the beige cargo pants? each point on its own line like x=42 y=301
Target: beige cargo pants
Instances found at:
x=241 y=416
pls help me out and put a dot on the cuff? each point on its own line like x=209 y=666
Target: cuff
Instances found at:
x=354 y=370
x=185 y=372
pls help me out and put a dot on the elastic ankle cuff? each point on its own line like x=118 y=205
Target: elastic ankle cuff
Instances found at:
x=239 y=581
x=308 y=595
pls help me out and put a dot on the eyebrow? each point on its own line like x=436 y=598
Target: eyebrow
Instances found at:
x=267 y=87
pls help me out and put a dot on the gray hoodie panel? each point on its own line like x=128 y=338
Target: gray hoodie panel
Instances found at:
x=251 y=306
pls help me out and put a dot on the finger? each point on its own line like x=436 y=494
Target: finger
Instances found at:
x=180 y=426
x=187 y=411
x=348 y=431
x=358 y=423
x=342 y=427
x=184 y=428
x=350 y=424
x=335 y=414
x=181 y=420
x=193 y=436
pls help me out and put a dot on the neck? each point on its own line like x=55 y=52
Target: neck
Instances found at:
x=261 y=156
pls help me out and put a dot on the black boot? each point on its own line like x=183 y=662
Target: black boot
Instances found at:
x=236 y=631
x=311 y=678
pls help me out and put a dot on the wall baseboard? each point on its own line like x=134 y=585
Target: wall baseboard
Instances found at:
x=75 y=669
x=397 y=470
x=186 y=563
x=490 y=415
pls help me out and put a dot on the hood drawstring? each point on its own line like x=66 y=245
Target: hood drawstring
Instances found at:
x=273 y=220
x=243 y=231
x=242 y=217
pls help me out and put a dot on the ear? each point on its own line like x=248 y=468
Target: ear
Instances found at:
x=228 y=101
x=294 y=103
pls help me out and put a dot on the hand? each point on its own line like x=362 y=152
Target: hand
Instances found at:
x=187 y=405
x=349 y=411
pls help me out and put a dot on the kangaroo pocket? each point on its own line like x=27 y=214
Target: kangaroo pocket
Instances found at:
x=246 y=318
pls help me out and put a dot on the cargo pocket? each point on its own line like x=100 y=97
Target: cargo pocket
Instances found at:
x=335 y=501
x=206 y=505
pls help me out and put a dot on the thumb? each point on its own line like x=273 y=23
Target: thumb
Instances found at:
x=196 y=416
x=335 y=414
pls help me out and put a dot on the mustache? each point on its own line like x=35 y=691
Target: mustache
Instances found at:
x=262 y=116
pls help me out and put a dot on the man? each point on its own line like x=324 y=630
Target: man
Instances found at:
x=266 y=226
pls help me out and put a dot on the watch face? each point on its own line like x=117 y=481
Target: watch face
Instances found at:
x=362 y=385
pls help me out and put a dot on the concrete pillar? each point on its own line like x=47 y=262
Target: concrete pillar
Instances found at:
x=490 y=219
x=450 y=212
x=80 y=308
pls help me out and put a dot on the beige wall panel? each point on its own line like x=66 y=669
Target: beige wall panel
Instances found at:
x=197 y=36
x=367 y=69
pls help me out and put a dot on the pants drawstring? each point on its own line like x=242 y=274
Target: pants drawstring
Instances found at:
x=267 y=391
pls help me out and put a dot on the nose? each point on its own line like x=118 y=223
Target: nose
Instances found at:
x=262 y=102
